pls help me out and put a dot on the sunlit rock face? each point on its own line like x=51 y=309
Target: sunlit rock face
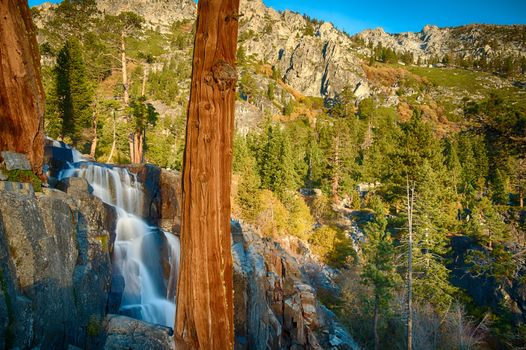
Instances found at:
x=157 y=12
x=21 y=92
x=275 y=302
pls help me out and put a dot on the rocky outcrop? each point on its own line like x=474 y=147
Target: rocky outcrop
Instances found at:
x=315 y=59
x=275 y=306
x=124 y=333
x=55 y=268
x=170 y=194
x=21 y=92
x=471 y=41
x=159 y=12
x=162 y=195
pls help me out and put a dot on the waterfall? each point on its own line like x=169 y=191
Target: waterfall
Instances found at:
x=148 y=295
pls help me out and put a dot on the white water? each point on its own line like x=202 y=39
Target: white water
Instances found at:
x=137 y=250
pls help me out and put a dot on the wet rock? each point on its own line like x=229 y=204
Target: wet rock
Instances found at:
x=124 y=333
x=75 y=186
x=150 y=177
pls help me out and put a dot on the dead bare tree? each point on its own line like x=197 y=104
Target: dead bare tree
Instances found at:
x=410 y=206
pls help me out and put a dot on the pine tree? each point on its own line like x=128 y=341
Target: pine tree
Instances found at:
x=74 y=91
x=486 y=225
x=275 y=161
x=453 y=163
x=245 y=165
x=247 y=86
x=419 y=160
x=379 y=266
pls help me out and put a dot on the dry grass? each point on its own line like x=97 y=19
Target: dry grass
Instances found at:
x=386 y=76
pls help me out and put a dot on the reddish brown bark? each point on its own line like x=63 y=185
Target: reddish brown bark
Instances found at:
x=21 y=92
x=205 y=289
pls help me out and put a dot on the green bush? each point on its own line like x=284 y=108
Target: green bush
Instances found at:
x=332 y=245
x=25 y=176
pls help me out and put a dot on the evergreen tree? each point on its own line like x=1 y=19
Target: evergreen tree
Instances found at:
x=486 y=225
x=275 y=161
x=74 y=91
x=453 y=163
x=270 y=90
x=245 y=166
x=419 y=160
x=379 y=265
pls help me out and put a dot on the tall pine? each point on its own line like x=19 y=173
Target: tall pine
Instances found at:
x=74 y=91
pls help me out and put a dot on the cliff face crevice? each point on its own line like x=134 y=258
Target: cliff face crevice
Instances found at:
x=21 y=93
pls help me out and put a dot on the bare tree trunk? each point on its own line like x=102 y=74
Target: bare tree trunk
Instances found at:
x=93 y=148
x=521 y=198
x=114 y=139
x=137 y=147
x=410 y=203
x=336 y=169
x=131 y=144
x=205 y=311
x=126 y=96
x=144 y=78
x=375 y=323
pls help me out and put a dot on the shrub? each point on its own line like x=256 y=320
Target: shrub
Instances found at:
x=25 y=176
x=300 y=220
x=273 y=216
x=332 y=245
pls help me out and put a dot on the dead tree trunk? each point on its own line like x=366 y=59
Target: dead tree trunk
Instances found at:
x=21 y=92
x=336 y=170
x=125 y=85
x=205 y=288
x=114 y=143
x=144 y=78
x=375 y=323
x=93 y=148
x=410 y=206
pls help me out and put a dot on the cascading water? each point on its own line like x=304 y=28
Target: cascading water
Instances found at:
x=147 y=294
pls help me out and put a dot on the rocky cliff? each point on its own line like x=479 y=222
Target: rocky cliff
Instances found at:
x=55 y=269
x=275 y=303
x=474 y=41
x=21 y=92
x=157 y=12
x=315 y=58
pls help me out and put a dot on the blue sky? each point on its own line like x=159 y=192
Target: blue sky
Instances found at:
x=403 y=15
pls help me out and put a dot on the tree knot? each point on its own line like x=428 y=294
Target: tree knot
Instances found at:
x=224 y=75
